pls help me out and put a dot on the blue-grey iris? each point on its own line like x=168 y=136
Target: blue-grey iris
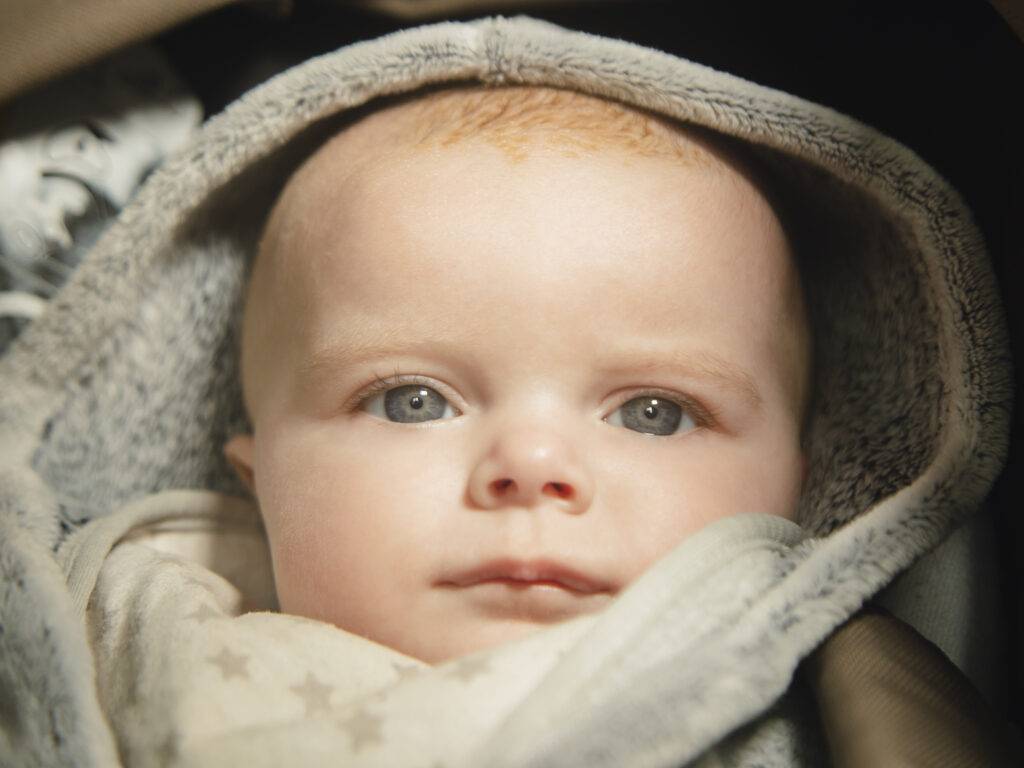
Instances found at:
x=652 y=415
x=413 y=403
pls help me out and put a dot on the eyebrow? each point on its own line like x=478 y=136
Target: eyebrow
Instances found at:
x=340 y=355
x=701 y=364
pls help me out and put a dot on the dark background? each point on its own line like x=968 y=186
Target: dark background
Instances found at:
x=944 y=78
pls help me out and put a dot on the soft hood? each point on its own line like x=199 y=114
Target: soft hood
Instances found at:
x=128 y=384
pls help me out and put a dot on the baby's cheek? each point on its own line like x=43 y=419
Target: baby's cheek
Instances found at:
x=292 y=475
x=761 y=478
x=315 y=559
x=775 y=471
x=664 y=497
x=325 y=506
x=291 y=492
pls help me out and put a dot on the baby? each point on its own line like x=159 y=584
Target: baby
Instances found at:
x=503 y=349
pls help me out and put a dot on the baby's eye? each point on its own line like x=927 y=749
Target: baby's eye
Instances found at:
x=652 y=415
x=408 y=404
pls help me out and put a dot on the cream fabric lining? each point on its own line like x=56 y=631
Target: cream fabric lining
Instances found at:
x=190 y=668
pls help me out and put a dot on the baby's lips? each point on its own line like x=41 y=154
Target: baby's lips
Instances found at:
x=528 y=572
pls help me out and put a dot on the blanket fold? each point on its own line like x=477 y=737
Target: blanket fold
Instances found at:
x=191 y=672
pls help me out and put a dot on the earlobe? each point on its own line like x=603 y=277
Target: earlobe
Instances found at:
x=239 y=450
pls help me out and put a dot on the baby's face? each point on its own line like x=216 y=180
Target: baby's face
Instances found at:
x=507 y=388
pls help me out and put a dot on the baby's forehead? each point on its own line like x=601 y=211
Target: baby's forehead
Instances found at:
x=518 y=121
x=368 y=164
x=332 y=191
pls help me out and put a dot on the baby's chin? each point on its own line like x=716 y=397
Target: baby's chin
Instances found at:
x=450 y=644
x=454 y=621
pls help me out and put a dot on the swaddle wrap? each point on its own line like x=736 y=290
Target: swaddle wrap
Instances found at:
x=190 y=670
x=127 y=386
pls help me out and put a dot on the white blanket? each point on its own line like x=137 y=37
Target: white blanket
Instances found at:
x=194 y=670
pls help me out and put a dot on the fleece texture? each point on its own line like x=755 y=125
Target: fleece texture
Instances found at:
x=127 y=386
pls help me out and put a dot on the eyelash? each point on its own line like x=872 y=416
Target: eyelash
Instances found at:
x=702 y=415
x=395 y=380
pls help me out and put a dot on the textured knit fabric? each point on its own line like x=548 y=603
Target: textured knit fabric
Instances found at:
x=127 y=387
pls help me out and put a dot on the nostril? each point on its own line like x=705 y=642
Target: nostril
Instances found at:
x=562 y=490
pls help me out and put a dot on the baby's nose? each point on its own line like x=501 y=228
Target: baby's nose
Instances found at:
x=508 y=486
x=529 y=468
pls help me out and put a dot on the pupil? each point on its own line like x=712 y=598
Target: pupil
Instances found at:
x=416 y=402
x=651 y=411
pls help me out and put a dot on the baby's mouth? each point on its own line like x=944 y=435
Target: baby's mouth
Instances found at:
x=536 y=590
x=525 y=573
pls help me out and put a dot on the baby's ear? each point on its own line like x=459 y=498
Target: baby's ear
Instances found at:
x=238 y=451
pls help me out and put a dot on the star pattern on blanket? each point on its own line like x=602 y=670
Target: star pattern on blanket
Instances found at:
x=314 y=694
x=204 y=613
x=231 y=664
x=363 y=728
x=186 y=570
x=167 y=750
x=469 y=668
x=405 y=671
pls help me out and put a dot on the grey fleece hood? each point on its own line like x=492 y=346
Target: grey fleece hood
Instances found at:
x=128 y=383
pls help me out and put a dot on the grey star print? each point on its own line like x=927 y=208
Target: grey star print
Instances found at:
x=468 y=668
x=363 y=727
x=315 y=695
x=231 y=664
x=405 y=671
x=168 y=748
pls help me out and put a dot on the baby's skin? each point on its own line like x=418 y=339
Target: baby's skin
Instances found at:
x=494 y=375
